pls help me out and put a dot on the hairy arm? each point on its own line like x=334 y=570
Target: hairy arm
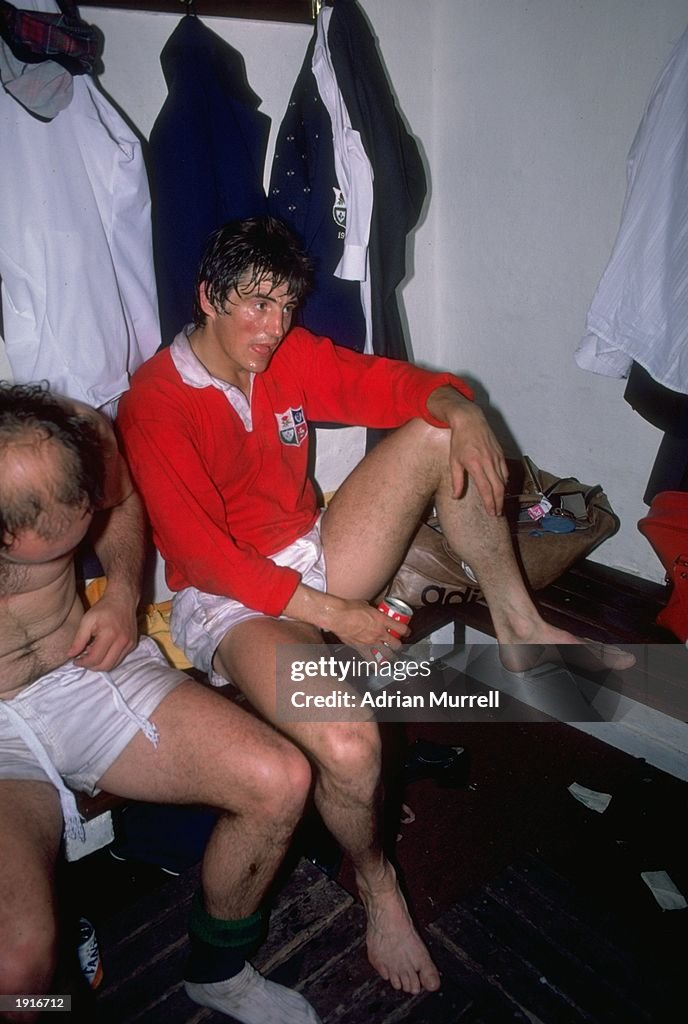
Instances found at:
x=355 y=622
x=108 y=630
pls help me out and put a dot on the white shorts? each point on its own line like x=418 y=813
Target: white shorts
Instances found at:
x=83 y=720
x=200 y=621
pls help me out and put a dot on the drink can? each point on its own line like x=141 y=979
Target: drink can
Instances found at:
x=89 y=954
x=397 y=610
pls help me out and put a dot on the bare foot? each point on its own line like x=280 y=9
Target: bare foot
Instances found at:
x=395 y=949
x=561 y=647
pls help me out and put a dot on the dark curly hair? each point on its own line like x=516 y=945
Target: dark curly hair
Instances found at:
x=30 y=409
x=243 y=253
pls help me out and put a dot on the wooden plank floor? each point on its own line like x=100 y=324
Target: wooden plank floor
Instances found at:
x=521 y=949
x=532 y=905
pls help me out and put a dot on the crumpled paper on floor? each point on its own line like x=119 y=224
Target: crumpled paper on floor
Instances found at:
x=590 y=797
x=663 y=889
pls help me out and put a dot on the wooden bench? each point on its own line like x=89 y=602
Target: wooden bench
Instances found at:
x=589 y=600
x=602 y=604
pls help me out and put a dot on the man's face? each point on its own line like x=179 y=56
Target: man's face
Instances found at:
x=29 y=467
x=244 y=337
x=61 y=531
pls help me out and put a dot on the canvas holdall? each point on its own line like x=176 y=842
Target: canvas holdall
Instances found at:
x=554 y=522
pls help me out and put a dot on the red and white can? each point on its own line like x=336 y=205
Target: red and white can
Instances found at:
x=397 y=610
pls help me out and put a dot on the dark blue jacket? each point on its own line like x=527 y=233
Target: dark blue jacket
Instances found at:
x=400 y=185
x=302 y=193
x=303 y=181
x=207 y=157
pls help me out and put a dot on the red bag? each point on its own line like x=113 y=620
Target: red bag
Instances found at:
x=666 y=528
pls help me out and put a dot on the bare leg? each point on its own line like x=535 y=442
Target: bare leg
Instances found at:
x=373 y=515
x=366 y=531
x=347 y=792
x=30 y=833
x=212 y=752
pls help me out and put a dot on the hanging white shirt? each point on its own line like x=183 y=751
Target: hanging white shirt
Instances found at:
x=640 y=309
x=353 y=170
x=79 y=299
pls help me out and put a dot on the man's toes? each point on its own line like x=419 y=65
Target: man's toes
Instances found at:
x=430 y=979
x=382 y=970
x=616 y=658
x=413 y=985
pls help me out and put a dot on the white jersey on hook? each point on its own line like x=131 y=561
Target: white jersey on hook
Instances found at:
x=79 y=300
x=640 y=309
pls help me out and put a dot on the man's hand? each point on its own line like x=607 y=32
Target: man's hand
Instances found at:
x=474 y=448
x=106 y=634
x=355 y=622
x=358 y=624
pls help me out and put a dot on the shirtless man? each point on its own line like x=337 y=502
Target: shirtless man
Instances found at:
x=76 y=692
x=216 y=433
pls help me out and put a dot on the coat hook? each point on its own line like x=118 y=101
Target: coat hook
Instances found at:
x=190 y=7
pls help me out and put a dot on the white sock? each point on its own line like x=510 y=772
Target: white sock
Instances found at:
x=252 y=999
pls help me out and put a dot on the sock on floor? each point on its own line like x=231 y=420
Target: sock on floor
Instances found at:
x=252 y=999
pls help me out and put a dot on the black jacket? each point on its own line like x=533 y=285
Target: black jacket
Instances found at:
x=207 y=156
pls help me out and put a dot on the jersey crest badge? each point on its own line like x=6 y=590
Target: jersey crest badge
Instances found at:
x=339 y=208
x=292 y=426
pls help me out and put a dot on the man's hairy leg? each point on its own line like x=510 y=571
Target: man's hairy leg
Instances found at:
x=346 y=757
x=366 y=531
x=212 y=752
x=30 y=834
x=367 y=528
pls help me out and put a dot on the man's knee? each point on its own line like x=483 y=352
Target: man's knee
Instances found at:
x=425 y=441
x=350 y=756
x=29 y=956
x=282 y=779
x=424 y=434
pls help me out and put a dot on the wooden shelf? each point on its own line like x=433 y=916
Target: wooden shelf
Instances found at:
x=258 y=10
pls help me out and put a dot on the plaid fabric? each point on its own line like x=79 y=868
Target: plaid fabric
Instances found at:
x=35 y=36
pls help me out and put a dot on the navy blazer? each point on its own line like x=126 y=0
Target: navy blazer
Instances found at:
x=400 y=183
x=207 y=158
x=302 y=193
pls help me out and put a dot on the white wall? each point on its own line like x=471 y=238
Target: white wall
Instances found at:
x=525 y=110
x=540 y=101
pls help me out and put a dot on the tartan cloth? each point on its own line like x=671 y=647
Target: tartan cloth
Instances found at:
x=35 y=36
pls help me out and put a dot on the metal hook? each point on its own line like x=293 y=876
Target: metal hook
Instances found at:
x=190 y=7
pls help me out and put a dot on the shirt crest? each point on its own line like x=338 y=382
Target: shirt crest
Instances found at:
x=292 y=426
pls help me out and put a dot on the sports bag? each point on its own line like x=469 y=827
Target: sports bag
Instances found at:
x=554 y=522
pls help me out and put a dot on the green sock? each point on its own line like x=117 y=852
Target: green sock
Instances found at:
x=220 y=948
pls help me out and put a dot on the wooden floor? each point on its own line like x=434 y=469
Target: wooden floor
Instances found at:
x=532 y=905
x=523 y=948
